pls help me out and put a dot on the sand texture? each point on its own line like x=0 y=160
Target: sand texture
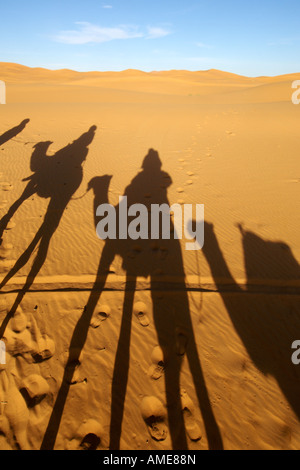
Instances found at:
x=141 y=344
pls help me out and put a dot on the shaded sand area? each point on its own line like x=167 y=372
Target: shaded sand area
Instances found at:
x=140 y=344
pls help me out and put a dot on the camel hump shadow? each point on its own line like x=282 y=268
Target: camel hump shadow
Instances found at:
x=59 y=174
x=268 y=260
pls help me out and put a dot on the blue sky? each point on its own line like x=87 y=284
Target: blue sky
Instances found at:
x=249 y=37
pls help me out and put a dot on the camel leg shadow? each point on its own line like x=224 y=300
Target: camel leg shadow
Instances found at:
x=168 y=326
x=43 y=236
x=29 y=191
x=121 y=368
x=76 y=346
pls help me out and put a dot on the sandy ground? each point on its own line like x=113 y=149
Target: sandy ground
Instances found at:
x=164 y=348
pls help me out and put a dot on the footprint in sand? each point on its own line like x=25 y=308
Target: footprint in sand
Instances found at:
x=3 y=304
x=140 y=311
x=78 y=376
x=46 y=349
x=189 y=182
x=156 y=370
x=154 y=415
x=180 y=190
x=73 y=364
x=23 y=390
x=5 y=250
x=6 y=186
x=7 y=264
x=190 y=173
x=34 y=388
x=19 y=321
x=102 y=313
x=15 y=413
x=87 y=437
x=192 y=428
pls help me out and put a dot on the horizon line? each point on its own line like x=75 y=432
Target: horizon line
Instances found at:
x=143 y=71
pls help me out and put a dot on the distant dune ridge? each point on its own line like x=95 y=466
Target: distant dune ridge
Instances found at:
x=142 y=344
x=215 y=85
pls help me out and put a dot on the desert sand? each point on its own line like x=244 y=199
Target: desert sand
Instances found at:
x=159 y=347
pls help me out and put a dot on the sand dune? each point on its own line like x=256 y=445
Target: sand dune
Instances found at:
x=196 y=87
x=165 y=348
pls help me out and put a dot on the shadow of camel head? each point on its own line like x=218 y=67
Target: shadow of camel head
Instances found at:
x=43 y=146
x=86 y=139
x=99 y=184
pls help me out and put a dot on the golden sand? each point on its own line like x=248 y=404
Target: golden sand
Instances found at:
x=163 y=348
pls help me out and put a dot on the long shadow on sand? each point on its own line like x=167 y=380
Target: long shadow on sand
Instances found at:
x=266 y=314
x=173 y=324
x=12 y=133
x=55 y=177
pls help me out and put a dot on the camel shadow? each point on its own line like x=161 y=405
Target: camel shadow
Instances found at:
x=157 y=259
x=266 y=314
x=56 y=178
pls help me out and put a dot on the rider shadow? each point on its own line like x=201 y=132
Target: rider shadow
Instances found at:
x=12 y=133
x=160 y=259
x=55 y=177
x=266 y=314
